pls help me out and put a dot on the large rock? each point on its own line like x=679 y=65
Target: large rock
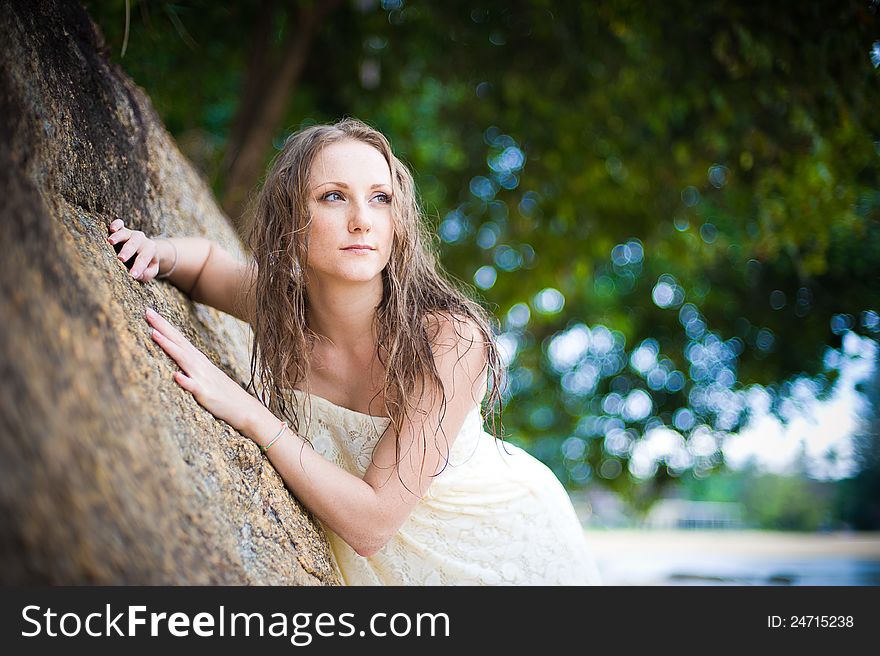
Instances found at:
x=109 y=472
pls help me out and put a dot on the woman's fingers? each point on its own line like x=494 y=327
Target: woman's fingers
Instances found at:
x=119 y=237
x=118 y=241
x=120 y=234
x=185 y=382
x=175 y=352
x=167 y=329
x=210 y=387
x=134 y=243
x=172 y=349
x=143 y=260
x=151 y=271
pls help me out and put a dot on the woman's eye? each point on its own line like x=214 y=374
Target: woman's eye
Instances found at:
x=383 y=198
x=332 y=195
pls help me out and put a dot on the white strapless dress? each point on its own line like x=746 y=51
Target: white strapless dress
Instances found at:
x=494 y=516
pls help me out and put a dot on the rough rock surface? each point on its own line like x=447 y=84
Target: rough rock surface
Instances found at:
x=109 y=472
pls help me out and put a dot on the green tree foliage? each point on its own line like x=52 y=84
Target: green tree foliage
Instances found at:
x=770 y=501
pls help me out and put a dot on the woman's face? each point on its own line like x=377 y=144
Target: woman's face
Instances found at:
x=350 y=204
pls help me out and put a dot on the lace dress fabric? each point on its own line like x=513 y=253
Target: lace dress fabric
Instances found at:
x=494 y=516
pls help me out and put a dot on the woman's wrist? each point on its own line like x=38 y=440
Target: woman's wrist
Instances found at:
x=261 y=425
x=167 y=252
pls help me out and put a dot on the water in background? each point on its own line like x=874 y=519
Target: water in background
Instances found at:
x=690 y=543
x=706 y=569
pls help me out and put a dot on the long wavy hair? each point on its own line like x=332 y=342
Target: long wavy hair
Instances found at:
x=416 y=288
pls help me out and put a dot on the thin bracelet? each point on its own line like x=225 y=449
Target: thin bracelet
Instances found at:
x=173 y=265
x=276 y=438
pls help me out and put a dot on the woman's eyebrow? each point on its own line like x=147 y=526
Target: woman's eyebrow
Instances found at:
x=345 y=186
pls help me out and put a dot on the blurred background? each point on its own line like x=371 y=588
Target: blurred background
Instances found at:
x=672 y=208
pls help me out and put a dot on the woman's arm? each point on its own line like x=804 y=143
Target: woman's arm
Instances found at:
x=367 y=512
x=222 y=282
x=208 y=274
x=197 y=266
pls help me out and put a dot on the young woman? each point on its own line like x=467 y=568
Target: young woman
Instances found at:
x=372 y=366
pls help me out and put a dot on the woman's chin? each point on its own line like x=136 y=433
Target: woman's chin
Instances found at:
x=357 y=278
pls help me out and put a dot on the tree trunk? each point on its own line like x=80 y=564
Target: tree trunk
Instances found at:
x=109 y=472
x=270 y=80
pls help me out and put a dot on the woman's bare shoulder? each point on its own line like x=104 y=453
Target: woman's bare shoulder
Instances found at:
x=448 y=331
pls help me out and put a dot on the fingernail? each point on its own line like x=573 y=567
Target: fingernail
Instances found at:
x=151 y=312
x=135 y=274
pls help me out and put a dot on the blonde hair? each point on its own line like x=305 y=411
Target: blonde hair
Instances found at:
x=416 y=288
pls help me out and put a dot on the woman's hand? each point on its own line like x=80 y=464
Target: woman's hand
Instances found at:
x=135 y=242
x=215 y=391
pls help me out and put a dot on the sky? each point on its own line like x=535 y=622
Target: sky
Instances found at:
x=822 y=429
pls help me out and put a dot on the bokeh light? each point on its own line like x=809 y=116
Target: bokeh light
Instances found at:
x=485 y=277
x=549 y=301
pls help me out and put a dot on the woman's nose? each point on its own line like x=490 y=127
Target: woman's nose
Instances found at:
x=359 y=217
